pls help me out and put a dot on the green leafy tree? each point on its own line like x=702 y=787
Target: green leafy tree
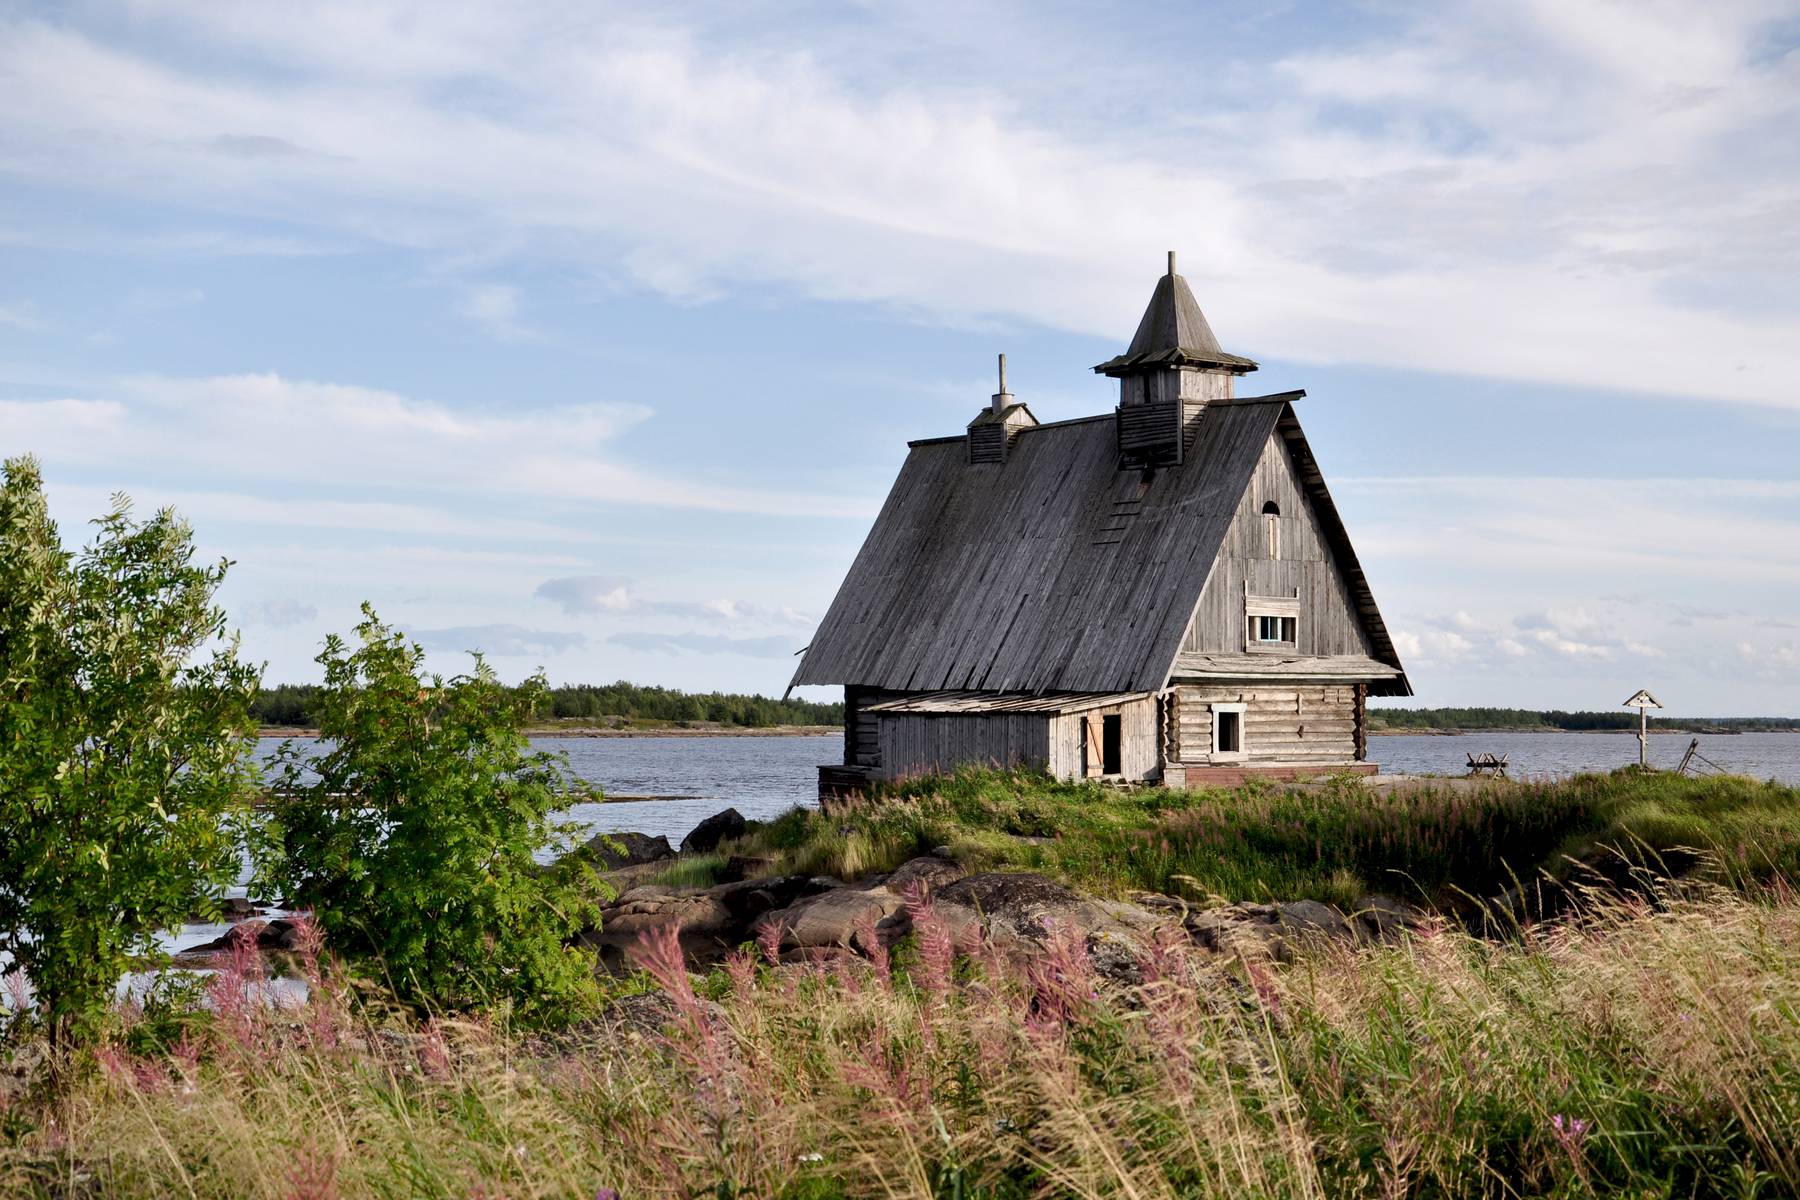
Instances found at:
x=412 y=835
x=124 y=751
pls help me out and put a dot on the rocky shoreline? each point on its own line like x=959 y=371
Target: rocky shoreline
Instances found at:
x=799 y=918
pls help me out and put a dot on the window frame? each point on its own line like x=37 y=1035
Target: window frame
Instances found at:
x=1240 y=711
x=1285 y=611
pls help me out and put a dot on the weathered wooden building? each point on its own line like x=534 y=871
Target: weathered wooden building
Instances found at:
x=1162 y=592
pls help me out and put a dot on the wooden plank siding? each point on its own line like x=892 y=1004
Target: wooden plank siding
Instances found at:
x=911 y=744
x=1313 y=726
x=1140 y=756
x=938 y=743
x=1328 y=621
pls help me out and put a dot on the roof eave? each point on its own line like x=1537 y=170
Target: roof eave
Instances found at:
x=1126 y=364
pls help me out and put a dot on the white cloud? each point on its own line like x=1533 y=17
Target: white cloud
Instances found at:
x=344 y=436
x=495 y=307
x=582 y=594
x=502 y=640
x=1537 y=191
x=22 y=316
x=1741 y=530
x=706 y=643
x=579 y=595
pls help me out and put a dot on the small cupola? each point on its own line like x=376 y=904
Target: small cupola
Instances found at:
x=992 y=434
x=1172 y=369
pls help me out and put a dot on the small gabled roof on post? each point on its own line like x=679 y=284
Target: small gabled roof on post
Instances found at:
x=1173 y=333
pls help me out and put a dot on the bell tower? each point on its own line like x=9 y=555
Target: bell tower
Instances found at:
x=1172 y=370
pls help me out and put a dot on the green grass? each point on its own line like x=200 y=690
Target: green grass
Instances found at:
x=1334 y=842
x=691 y=871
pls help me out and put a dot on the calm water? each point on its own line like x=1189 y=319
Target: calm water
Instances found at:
x=1760 y=755
x=762 y=777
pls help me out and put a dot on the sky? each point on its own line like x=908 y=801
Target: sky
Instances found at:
x=592 y=337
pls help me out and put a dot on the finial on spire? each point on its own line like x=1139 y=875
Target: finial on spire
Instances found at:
x=1171 y=262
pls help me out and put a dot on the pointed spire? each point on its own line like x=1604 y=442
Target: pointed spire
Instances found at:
x=1172 y=333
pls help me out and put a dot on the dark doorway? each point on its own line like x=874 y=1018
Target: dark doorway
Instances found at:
x=1112 y=744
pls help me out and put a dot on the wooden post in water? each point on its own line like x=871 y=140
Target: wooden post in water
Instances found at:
x=1643 y=702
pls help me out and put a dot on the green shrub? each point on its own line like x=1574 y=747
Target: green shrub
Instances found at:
x=413 y=834
x=122 y=759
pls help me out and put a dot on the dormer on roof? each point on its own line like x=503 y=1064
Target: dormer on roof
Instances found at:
x=991 y=434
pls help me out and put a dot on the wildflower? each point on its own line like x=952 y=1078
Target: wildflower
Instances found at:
x=814 y=1157
x=1570 y=1131
x=606 y=1193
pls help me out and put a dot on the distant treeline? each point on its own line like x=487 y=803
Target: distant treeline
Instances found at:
x=1557 y=719
x=289 y=704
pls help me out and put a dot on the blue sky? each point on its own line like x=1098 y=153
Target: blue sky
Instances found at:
x=593 y=336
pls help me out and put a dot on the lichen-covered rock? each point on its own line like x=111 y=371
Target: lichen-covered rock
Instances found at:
x=1269 y=929
x=833 y=918
x=712 y=922
x=1385 y=919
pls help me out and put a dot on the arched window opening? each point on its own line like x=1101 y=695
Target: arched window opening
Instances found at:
x=1272 y=523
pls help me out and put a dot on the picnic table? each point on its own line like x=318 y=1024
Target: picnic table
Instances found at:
x=1486 y=764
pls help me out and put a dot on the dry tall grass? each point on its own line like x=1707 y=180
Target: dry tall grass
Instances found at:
x=1638 y=1051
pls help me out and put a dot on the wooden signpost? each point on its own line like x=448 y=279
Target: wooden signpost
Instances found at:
x=1643 y=702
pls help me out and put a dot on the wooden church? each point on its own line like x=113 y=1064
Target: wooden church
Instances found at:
x=1161 y=593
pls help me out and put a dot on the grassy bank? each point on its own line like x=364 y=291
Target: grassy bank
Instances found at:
x=1334 y=842
x=1638 y=1053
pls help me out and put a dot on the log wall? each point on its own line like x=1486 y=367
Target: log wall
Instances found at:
x=1292 y=725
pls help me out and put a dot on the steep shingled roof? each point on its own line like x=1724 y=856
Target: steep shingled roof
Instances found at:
x=1055 y=571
